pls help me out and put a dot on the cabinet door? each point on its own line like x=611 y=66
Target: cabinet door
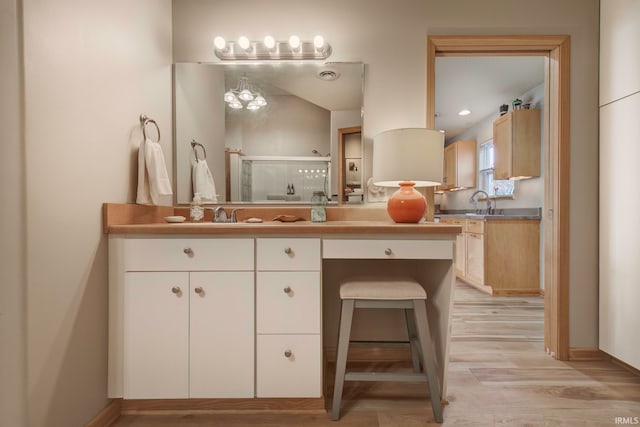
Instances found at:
x=156 y=335
x=475 y=257
x=288 y=302
x=449 y=170
x=221 y=359
x=289 y=366
x=461 y=256
x=502 y=147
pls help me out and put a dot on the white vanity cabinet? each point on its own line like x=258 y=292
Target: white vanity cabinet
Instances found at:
x=288 y=310
x=176 y=332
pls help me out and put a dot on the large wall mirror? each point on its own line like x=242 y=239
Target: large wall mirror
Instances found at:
x=279 y=152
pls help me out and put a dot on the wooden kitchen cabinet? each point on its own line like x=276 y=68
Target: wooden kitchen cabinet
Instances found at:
x=517 y=144
x=499 y=256
x=459 y=169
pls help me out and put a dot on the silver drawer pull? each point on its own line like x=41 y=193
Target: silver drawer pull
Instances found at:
x=287 y=290
x=188 y=251
x=176 y=289
x=287 y=251
x=287 y=353
x=198 y=290
x=388 y=251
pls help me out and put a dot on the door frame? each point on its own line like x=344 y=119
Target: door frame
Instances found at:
x=342 y=134
x=556 y=49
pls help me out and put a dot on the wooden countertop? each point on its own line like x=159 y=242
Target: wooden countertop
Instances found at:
x=137 y=219
x=276 y=227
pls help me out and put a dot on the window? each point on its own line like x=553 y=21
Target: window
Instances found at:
x=495 y=188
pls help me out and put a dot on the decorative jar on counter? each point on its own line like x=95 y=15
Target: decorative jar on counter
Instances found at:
x=318 y=211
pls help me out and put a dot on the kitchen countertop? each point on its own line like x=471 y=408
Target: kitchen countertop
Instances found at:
x=501 y=214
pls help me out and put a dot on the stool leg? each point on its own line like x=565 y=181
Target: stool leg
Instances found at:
x=341 y=355
x=424 y=335
x=413 y=340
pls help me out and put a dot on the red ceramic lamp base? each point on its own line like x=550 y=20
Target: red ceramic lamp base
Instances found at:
x=406 y=204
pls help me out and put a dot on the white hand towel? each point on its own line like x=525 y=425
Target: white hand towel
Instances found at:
x=203 y=181
x=153 y=180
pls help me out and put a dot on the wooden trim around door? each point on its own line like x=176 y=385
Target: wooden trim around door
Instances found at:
x=556 y=216
x=342 y=133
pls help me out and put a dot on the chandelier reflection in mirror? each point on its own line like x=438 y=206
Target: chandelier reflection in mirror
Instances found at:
x=243 y=92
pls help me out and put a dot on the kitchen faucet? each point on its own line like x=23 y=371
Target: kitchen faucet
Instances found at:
x=475 y=201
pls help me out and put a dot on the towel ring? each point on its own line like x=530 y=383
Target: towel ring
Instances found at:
x=143 y=122
x=195 y=150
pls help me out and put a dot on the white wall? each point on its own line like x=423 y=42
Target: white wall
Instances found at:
x=13 y=411
x=390 y=37
x=529 y=193
x=619 y=173
x=91 y=68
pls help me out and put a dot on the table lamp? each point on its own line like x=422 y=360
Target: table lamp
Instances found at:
x=408 y=158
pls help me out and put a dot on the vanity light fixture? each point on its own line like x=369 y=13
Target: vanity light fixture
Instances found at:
x=244 y=92
x=271 y=49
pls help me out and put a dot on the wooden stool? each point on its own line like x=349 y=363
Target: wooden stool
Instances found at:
x=403 y=294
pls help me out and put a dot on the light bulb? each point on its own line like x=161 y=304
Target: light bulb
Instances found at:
x=260 y=100
x=229 y=97
x=235 y=105
x=244 y=43
x=220 y=43
x=269 y=42
x=253 y=106
x=464 y=112
x=318 y=42
x=294 y=42
x=245 y=95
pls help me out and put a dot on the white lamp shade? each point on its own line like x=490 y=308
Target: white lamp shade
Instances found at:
x=415 y=155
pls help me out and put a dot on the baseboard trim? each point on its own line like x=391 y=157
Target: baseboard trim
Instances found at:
x=622 y=364
x=516 y=292
x=585 y=354
x=204 y=406
x=108 y=415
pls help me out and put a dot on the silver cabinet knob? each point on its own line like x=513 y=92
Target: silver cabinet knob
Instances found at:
x=188 y=251
x=287 y=353
x=176 y=289
x=388 y=251
x=198 y=290
x=287 y=290
x=287 y=251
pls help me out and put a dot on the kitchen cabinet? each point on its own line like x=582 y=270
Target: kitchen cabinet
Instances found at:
x=500 y=256
x=517 y=145
x=176 y=332
x=288 y=295
x=459 y=169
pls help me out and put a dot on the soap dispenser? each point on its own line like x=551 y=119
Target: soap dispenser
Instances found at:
x=197 y=209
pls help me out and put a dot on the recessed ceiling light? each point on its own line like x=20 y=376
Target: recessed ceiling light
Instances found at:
x=464 y=112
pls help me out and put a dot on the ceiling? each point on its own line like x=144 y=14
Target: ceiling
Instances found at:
x=480 y=84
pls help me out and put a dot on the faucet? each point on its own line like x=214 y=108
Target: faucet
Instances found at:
x=220 y=215
x=234 y=216
x=475 y=201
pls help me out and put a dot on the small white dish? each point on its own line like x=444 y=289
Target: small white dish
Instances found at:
x=175 y=218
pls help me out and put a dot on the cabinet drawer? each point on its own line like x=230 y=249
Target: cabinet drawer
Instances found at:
x=288 y=302
x=288 y=254
x=387 y=249
x=455 y=221
x=475 y=226
x=188 y=254
x=296 y=375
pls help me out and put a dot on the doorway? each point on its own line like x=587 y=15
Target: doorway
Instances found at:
x=555 y=216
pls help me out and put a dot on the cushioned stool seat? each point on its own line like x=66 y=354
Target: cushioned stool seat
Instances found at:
x=404 y=294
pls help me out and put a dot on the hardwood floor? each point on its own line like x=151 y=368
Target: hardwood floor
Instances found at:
x=499 y=375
